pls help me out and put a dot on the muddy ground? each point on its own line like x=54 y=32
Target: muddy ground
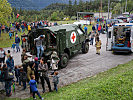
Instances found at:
x=80 y=66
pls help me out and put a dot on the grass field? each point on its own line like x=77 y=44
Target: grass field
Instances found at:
x=114 y=84
x=6 y=42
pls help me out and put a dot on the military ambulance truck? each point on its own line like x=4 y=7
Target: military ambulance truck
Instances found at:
x=120 y=38
x=65 y=39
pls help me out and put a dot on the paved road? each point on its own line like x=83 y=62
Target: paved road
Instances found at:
x=83 y=65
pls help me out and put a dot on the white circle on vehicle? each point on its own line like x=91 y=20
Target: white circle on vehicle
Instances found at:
x=73 y=37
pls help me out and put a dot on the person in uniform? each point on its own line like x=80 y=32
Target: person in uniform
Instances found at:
x=54 y=60
x=98 y=46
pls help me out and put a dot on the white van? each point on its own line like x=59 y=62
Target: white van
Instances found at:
x=120 y=38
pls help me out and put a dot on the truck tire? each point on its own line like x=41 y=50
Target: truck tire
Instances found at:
x=64 y=60
x=85 y=47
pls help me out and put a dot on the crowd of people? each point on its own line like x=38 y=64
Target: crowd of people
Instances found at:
x=97 y=29
x=28 y=73
x=15 y=27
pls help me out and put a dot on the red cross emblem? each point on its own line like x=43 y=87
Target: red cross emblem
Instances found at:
x=73 y=37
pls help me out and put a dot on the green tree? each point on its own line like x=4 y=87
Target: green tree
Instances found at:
x=75 y=8
x=5 y=11
x=54 y=16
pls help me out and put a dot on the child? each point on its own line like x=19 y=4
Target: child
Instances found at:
x=55 y=80
x=17 y=73
x=13 y=46
x=33 y=87
x=23 y=78
x=10 y=35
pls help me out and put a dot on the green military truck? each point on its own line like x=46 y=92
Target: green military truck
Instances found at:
x=65 y=39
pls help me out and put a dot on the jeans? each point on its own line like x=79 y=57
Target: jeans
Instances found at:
x=43 y=83
x=8 y=87
x=17 y=77
x=36 y=92
x=55 y=87
x=17 y=47
x=38 y=51
x=24 y=84
x=92 y=41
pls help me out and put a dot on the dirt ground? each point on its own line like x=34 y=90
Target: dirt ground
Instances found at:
x=81 y=66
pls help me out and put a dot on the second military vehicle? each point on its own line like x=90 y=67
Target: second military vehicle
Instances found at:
x=65 y=39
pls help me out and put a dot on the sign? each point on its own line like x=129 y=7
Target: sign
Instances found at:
x=73 y=37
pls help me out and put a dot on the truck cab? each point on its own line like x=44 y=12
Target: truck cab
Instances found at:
x=65 y=39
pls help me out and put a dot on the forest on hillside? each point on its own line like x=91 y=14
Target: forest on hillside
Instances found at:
x=57 y=11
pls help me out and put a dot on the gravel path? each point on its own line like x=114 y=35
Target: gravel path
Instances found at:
x=81 y=66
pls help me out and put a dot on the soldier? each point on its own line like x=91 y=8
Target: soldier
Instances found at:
x=23 y=54
x=54 y=60
x=25 y=63
x=98 y=46
x=38 y=42
x=43 y=69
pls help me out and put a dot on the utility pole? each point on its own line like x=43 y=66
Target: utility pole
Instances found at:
x=108 y=7
x=101 y=9
x=126 y=6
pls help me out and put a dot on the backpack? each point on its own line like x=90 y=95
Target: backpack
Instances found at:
x=10 y=75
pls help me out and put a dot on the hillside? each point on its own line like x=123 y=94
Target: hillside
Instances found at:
x=36 y=4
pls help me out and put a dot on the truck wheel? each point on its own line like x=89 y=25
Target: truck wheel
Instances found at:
x=64 y=60
x=85 y=47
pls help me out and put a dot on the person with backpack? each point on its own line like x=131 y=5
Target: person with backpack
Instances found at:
x=8 y=80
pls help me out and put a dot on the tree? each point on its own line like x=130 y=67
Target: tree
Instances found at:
x=69 y=9
x=54 y=16
x=75 y=7
x=5 y=11
x=81 y=6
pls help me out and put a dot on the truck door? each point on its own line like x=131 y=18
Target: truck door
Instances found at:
x=131 y=39
x=109 y=39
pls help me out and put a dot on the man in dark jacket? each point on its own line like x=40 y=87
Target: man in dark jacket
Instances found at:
x=43 y=68
x=10 y=63
x=17 y=41
x=8 y=81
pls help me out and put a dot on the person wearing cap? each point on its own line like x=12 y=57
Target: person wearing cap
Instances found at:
x=54 y=60
x=10 y=63
x=36 y=69
x=38 y=41
x=17 y=41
